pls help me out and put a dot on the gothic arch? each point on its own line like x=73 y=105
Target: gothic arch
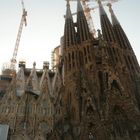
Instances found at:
x=114 y=83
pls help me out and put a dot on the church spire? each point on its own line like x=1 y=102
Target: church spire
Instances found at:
x=107 y=29
x=69 y=30
x=113 y=16
x=82 y=25
x=120 y=34
x=124 y=43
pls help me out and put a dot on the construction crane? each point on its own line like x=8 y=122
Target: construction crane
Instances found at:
x=22 y=23
x=88 y=16
x=87 y=11
x=104 y=2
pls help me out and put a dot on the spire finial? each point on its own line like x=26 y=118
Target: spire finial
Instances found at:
x=110 y=7
x=114 y=18
x=68 y=3
x=99 y=1
x=22 y=3
x=68 y=11
x=102 y=11
x=34 y=64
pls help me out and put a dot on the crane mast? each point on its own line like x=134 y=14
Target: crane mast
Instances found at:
x=22 y=23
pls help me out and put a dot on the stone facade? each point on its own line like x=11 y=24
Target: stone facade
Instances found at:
x=93 y=94
x=100 y=98
x=26 y=106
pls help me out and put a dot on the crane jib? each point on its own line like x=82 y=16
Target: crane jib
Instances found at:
x=22 y=22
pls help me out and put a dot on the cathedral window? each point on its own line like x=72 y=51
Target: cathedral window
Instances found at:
x=116 y=87
x=89 y=58
x=88 y=50
x=85 y=59
x=85 y=51
x=100 y=76
x=91 y=67
x=69 y=57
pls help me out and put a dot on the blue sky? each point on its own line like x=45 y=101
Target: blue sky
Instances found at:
x=46 y=26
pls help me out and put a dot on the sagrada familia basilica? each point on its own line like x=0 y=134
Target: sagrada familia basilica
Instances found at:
x=92 y=94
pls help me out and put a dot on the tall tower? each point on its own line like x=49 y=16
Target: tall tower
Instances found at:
x=109 y=36
x=128 y=53
x=107 y=29
x=82 y=25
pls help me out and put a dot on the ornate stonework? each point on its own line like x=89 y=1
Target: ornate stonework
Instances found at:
x=93 y=94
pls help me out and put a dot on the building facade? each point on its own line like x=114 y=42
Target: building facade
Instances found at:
x=93 y=94
x=100 y=97
x=27 y=105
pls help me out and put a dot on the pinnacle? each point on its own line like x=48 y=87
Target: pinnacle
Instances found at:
x=102 y=11
x=114 y=18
